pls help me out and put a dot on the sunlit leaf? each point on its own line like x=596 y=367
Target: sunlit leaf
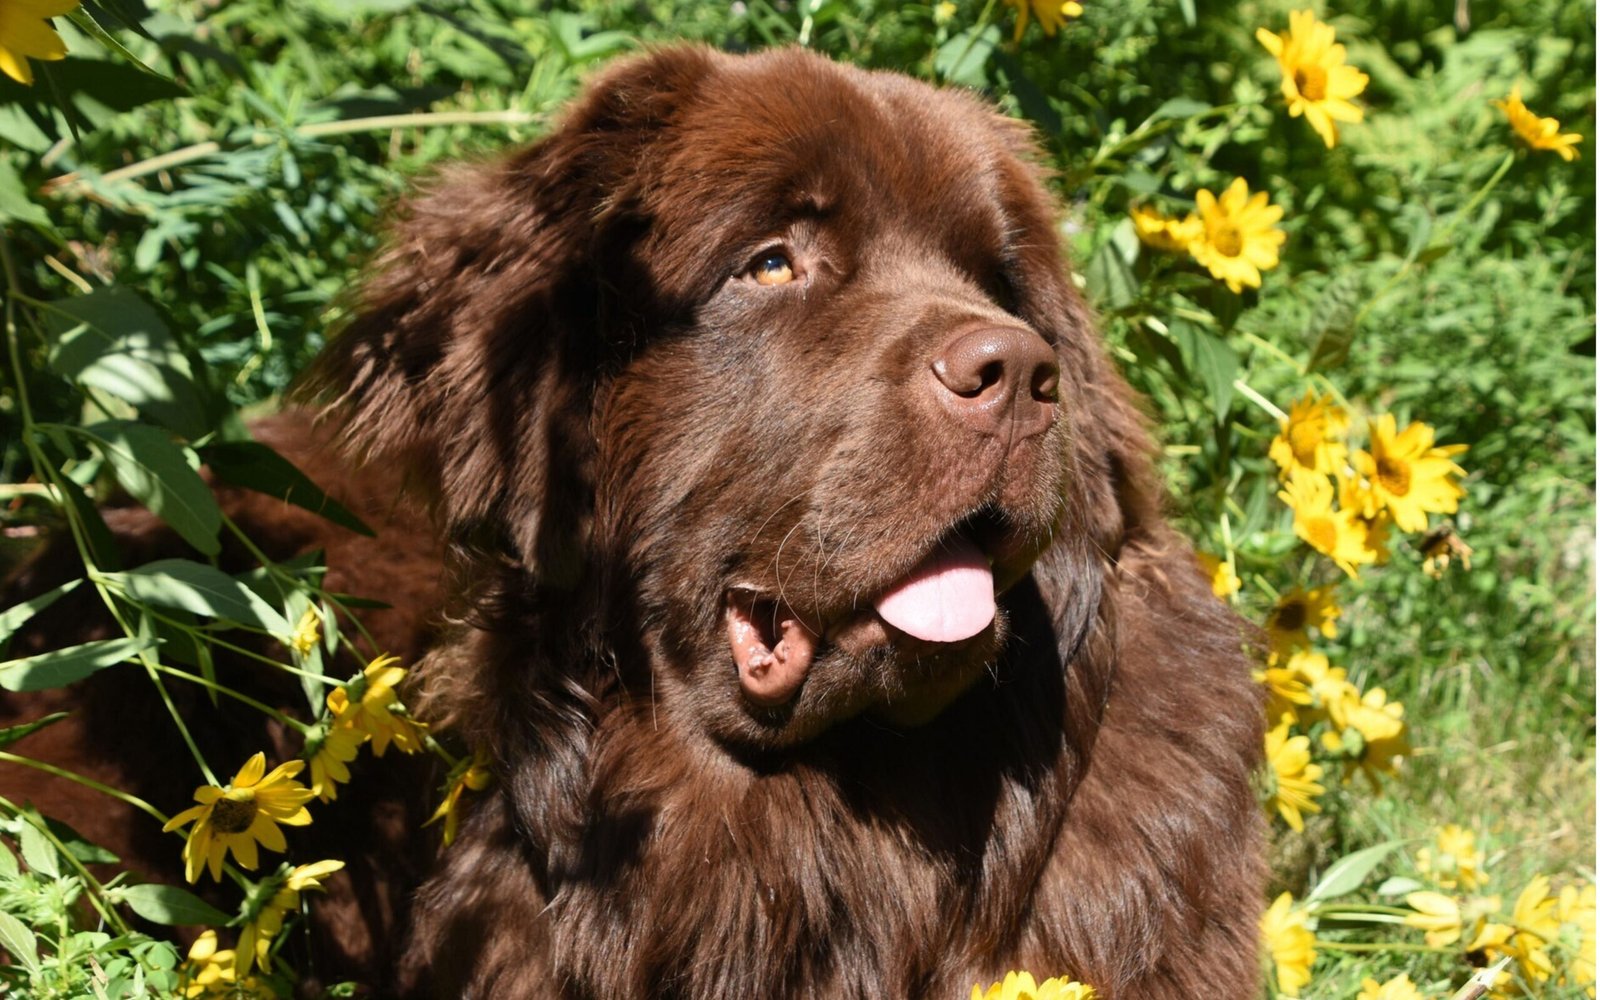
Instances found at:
x=63 y=666
x=153 y=469
x=201 y=589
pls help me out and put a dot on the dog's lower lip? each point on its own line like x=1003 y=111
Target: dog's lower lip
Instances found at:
x=772 y=647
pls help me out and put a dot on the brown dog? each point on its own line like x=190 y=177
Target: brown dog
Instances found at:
x=819 y=616
x=828 y=640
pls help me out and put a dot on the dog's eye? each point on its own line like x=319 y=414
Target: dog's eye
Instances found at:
x=773 y=269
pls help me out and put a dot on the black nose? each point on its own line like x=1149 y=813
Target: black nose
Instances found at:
x=998 y=380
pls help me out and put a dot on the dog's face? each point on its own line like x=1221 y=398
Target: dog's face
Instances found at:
x=806 y=388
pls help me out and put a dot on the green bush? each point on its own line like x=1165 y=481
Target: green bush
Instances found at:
x=185 y=198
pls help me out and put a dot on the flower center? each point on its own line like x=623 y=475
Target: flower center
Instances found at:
x=233 y=815
x=1227 y=240
x=1311 y=82
x=1322 y=533
x=1289 y=617
x=1304 y=437
x=1394 y=477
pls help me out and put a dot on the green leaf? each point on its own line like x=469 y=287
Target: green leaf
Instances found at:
x=168 y=904
x=102 y=543
x=17 y=615
x=1332 y=328
x=1347 y=874
x=73 y=841
x=964 y=58
x=1150 y=345
x=1178 y=107
x=112 y=340
x=93 y=91
x=256 y=466
x=18 y=942
x=12 y=734
x=8 y=863
x=63 y=666
x=1111 y=282
x=1211 y=358
x=92 y=28
x=1398 y=885
x=15 y=205
x=152 y=468
x=202 y=589
x=37 y=851
x=1030 y=99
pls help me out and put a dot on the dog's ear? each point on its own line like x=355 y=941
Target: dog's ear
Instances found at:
x=475 y=345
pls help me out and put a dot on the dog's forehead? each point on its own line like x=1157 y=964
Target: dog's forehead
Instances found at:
x=771 y=134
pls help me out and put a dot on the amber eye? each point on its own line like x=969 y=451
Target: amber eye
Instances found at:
x=773 y=269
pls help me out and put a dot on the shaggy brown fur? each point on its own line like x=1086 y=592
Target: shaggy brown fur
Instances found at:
x=626 y=438
x=620 y=428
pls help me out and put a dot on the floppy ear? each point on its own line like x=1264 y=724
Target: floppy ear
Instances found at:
x=474 y=349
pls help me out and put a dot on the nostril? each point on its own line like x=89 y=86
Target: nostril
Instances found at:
x=990 y=374
x=998 y=380
x=1047 y=383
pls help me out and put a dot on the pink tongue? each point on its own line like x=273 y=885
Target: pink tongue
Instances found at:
x=947 y=597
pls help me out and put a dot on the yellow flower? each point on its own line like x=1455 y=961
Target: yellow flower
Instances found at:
x=1239 y=238
x=1575 y=909
x=1286 y=934
x=1311 y=437
x=239 y=816
x=1330 y=689
x=307 y=632
x=1316 y=82
x=473 y=775
x=1052 y=14
x=1020 y=986
x=1224 y=581
x=1288 y=686
x=255 y=939
x=1540 y=133
x=1398 y=988
x=1297 y=612
x=1338 y=534
x=25 y=33
x=943 y=12
x=1535 y=924
x=211 y=972
x=1437 y=915
x=330 y=756
x=373 y=712
x=1408 y=475
x=1162 y=232
x=1292 y=776
x=1454 y=859
x=1356 y=495
x=1372 y=734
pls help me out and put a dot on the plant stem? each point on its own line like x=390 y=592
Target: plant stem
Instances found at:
x=118 y=794
x=1244 y=390
x=74 y=184
x=259 y=706
x=1378 y=946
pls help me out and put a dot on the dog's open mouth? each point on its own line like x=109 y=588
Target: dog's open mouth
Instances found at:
x=946 y=599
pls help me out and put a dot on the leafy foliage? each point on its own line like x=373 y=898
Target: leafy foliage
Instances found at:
x=185 y=199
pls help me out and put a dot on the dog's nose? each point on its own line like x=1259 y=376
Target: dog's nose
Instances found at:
x=999 y=380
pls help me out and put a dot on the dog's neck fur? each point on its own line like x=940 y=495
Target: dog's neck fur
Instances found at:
x=629 y=827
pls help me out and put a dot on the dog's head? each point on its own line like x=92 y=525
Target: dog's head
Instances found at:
x=766 y=369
